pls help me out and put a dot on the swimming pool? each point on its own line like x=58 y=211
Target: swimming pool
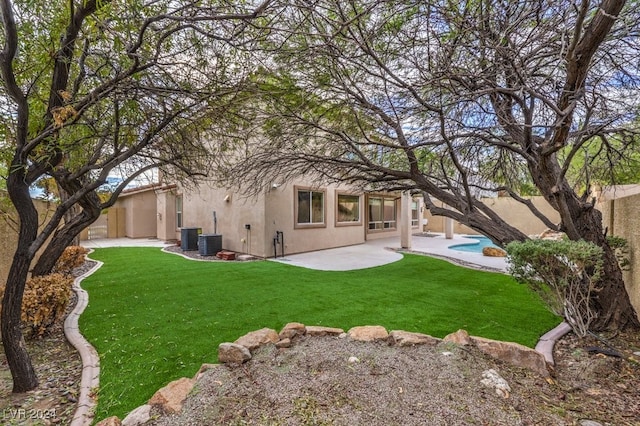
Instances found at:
x=473 y=247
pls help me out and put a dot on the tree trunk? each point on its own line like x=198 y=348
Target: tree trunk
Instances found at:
x=615 y=311
x=62 y=239
x=24 y=376
x=580 y=220
x=611 y=300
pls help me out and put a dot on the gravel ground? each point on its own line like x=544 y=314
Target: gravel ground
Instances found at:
x=333 y=381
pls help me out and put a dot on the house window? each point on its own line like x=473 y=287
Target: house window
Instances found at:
x=382 y=213
x=348 y=209
x=179 y=211
x=415 y=213
x=309 y=207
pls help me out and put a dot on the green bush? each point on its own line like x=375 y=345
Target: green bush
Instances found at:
x=563 y=273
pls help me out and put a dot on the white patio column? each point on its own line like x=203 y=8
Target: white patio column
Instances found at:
x=405 y=220
x=448 y=228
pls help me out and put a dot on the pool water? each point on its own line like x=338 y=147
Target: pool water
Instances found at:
x=480 y=242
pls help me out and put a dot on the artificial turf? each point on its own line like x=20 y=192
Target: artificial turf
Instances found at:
x=154 y=317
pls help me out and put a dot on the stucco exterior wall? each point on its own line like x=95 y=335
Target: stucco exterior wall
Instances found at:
x=622 y=218
x=140 y=219
x=166 y=214
x=232 y=214
x=280 y=216
x=271 y=211
x=511 y=211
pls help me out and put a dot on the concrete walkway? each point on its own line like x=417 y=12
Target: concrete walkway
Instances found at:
x=382 y=251
x=123 y=242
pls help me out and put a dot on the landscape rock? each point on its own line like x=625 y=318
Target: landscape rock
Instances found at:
x=493 y=252
x=284 y=343
x=514 y=354
x=492 y=379
x=137 y=417
x=407 y=338
x=460 y=337
x=368 y=333
x=233 y=353
x=171 y=397
x=292 y=330
x=110 y=421
x=317 y=330
x=255 y=339
x=203 y=369
x=590 y=423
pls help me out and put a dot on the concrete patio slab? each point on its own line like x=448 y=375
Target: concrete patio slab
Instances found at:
x=383 y=251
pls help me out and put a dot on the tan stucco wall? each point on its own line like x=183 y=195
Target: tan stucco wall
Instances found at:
x=513 y=212
x=199 y=205
x=267 y=213
x=166 y=217
x=140 y=218
x=622 y=218
x=10 y=236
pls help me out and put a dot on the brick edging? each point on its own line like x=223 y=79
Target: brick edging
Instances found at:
x=90 y=379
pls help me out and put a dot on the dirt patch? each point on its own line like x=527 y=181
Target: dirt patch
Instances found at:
x=334 y=381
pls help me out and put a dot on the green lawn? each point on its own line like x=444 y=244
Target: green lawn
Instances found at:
x=154 y=317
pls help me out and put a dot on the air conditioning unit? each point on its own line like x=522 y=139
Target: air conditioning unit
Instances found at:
x=209 y=244
x=189 y=238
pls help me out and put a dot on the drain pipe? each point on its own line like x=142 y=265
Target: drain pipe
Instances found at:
x=276 y=240
x=280 y=235
x=279 y=238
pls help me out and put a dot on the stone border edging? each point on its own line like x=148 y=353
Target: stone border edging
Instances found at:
x=548 y=341
x=187 y=257
x=90 y=360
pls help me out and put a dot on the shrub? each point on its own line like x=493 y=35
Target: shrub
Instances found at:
x=563 y=273
x=46 y=297
x=71 y=258
x=45 y=301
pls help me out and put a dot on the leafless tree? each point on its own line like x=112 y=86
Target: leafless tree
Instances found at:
x=453 y=99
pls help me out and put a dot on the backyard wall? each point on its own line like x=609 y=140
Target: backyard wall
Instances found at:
x=622 y=219
x=10 y=236
x=511 y=211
